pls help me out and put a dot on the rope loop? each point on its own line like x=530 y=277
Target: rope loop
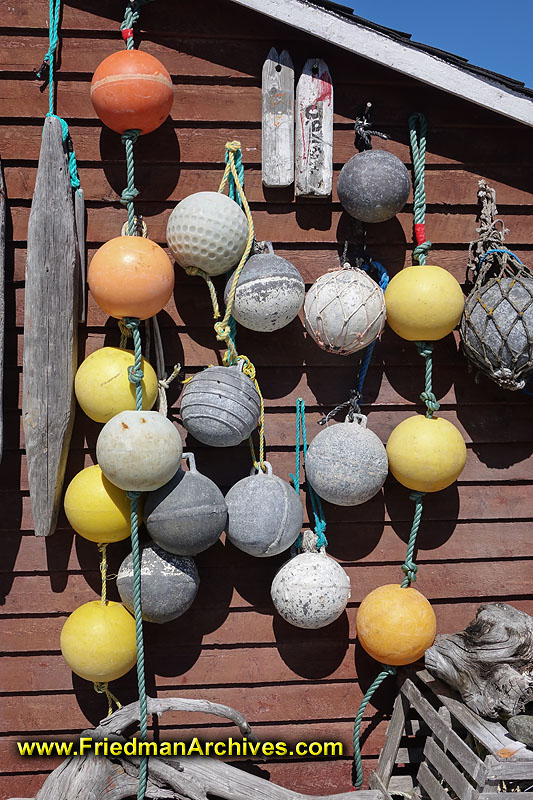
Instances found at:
x=363 y=134
x=103 y=688
x=425 y=349
x=316 y=503
x=421 y=251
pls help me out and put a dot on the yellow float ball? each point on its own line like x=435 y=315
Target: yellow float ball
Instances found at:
x=394 y=625
x=426 y=455
x=424 y=303
x=98 y=641
x=103 y=388
x=96 y=508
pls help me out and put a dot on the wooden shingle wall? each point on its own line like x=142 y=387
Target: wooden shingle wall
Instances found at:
x=475 y=540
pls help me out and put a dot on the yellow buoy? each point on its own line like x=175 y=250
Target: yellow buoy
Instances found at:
x=424 y=303
x=394 y=625
x=103 y=388
x=96 y=508
x=426 y=454
x=98 y=641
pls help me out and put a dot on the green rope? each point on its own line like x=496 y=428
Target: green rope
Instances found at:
x=316 y=503
x=425 y=349
x=418 y=155
x=130 y=193
x=131 y=16
x=409 y=567
x=372 y=689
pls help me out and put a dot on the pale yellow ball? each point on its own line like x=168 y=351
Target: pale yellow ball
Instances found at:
x=426 y=455
x=98 y=641
x=424 y=303
x=394 y=625
x=103 y=388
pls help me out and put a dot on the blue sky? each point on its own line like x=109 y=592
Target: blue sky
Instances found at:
x=491 y=34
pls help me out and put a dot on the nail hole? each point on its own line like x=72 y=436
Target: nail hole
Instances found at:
x=278 y=67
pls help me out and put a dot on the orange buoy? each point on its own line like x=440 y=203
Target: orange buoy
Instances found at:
x=131 y=276
x=131 y=90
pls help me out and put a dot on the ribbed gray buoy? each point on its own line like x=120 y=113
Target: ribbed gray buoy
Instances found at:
x=169 y=584
x=270 y=292
x=373 y=186
x=346 y=464
x=187 y=514
x=265 y=514
x=220 y=406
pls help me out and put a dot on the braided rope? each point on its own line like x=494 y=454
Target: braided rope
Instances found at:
x=131 y=16
x=130 y=193
x=101 y=687
x=372 y=689
x=409 y=568
x=425 y=349
x=102 y=549
x=418 y=155
x=316 y=503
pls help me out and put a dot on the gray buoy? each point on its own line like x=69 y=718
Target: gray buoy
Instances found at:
x=220 y=406
x=265 y=514
x=187 y=514
x=497 y=330
x=270 y=292
x=169 y=584
x=373 y=186
x=346 y=464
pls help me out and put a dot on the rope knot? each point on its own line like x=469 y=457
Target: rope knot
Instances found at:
x=222 y=330
x=130 y=136
x=128 y=195
x=430 y=400
x=409 y=568
x=421 y=251
x=233 y=147
x=248 y=368
x=135 y=375
x=416 y=496
x=133 y=495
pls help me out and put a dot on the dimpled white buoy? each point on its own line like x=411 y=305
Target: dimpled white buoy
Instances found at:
x=139 y=451
x=207 y=230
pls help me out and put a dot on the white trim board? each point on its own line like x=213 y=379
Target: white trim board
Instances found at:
x=385 y=50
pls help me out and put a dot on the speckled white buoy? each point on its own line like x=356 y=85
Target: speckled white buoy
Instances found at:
x=346 y=464
x=270 y=292
x=220 y=406
x=207 y=230
x=373 y=186
x=187 y=514
x=344 y=311
x=311 y=590
x=139 y=451
x=169 y=584
x=265 y=514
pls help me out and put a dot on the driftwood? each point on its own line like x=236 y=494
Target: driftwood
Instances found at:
x=313 y=166
x=490 y=663
x=50 y=329
x=3 y=203
x=91 y=777
x=278 y=119
x=81 y=252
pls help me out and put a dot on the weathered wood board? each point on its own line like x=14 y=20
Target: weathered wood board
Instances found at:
x=3 y=203
x=79 y=213
x=313 y=168
x=50 y=325
x=277 y=123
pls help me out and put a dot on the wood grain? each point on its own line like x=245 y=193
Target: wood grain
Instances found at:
x=277 y=121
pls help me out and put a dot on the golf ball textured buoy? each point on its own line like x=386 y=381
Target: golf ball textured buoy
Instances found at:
x=207 y=230
x=169 y=584
x=310 y=591
x=187 y=514
x=346 y=463
x=97 y=509
x=265 y=514
x=269 y=294
x=139 y=451
x=103 y=387
x=425 y=454
x=98 y=641
x=373 y=186
x=344 y=311
x=424 y=303
x=131 y=276
x=220 y=406
x=394 y=625
x=131 y=90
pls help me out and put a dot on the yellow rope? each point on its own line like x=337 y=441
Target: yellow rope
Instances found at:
x=210 y=285
x=103 y=688
x=102 y=548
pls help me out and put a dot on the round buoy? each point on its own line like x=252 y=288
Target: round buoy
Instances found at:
x=265 y=514
x=131 y=276
x=373 y=186
x=426 y=454
x=269 y=294
x=187 y=514
x=103 y=387
x=424 y=303
x=96 y=509
x=220 y=406
x=98 y=641
x=346 y=464
x=394 y=625
x=131 y=90
x=344 y=311
x=207 y=230
x=169 y=584
x=311 y=590
x=139 y=451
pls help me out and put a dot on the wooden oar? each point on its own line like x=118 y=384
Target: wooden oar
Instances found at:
x=2 y=298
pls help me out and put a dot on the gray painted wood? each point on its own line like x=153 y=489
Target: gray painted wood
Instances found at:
x=277 y=123
x=313 y=167
x=50 y=330
x=512 y=769
x=430 y=785
x=448 y=771
x=3 y=211
x=389 y=754
x=79 y=214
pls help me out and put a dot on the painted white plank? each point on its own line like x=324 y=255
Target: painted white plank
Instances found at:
x=278 y=119
x=313 y=168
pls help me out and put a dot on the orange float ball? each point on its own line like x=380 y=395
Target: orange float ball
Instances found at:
x=131 y=90
x=131 y=276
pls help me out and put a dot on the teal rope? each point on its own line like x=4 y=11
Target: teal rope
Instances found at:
x=418 y=155
x=130 y=193
x=131 y=16
x=425 y=349
x=234 y=194
x=135 y=373
x=409 y=567
x=316 y=503
x=372 y=689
